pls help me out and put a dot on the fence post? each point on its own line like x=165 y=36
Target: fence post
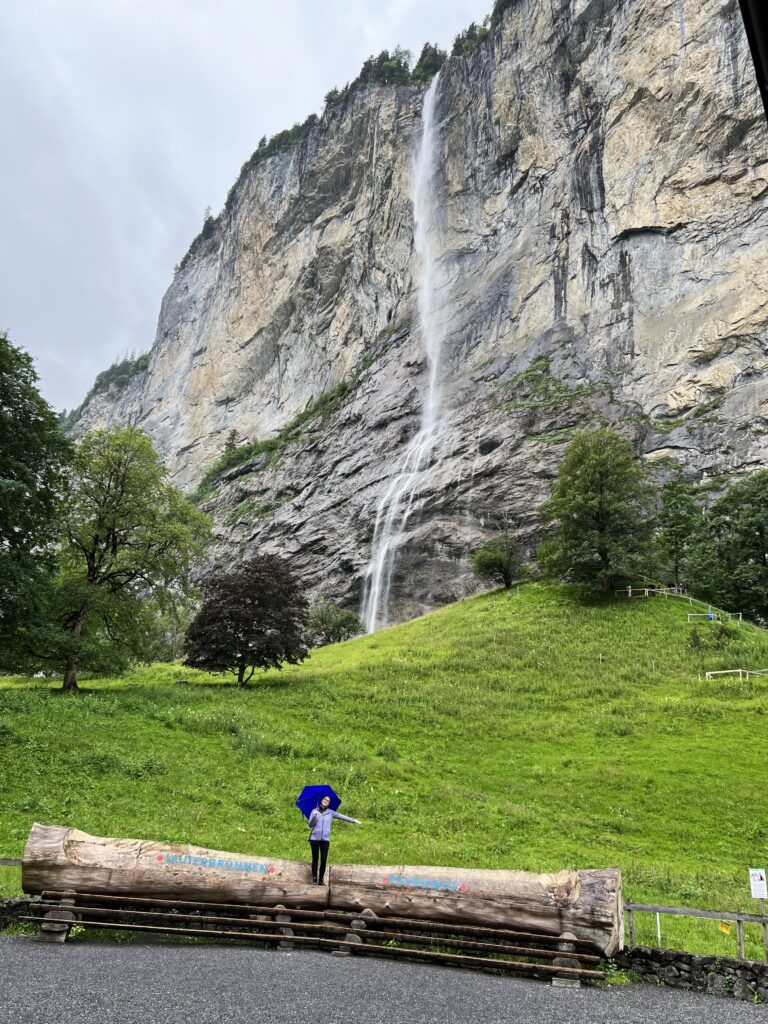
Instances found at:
x=764 y=926
x=740 y=936
x=658 y=929
x=632 y=931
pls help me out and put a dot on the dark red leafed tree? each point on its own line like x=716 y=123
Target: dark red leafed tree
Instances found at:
x=252 y=617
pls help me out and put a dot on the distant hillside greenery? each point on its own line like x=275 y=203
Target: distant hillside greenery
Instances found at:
x=386 y=68
x=536 y=728
x=117 y=377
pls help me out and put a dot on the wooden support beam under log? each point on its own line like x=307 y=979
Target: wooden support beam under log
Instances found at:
x=587 y=904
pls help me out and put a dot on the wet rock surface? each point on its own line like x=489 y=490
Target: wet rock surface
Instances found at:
x=604 y=194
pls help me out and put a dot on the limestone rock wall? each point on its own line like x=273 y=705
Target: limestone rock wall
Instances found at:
x=604 y=192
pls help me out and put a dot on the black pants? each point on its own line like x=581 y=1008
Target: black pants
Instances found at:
x=319 y=850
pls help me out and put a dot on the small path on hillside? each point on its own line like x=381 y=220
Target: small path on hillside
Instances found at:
x=109 y=983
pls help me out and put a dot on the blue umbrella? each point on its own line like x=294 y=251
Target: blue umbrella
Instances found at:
x=311 y=796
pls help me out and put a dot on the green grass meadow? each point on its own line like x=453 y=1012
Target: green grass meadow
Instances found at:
x=533 y=729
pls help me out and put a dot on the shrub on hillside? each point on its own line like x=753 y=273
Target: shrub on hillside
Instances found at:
x=500 y=560
x=330 y=623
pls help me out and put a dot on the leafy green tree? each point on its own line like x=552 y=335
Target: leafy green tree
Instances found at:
x=167 y=627
x=33 y=458
x=128 y=540
x=728 y=564
x=429 y=63
x=252 y=617
x=601 y=506
x=330 y=623
x=500 y=560
x=679 y=520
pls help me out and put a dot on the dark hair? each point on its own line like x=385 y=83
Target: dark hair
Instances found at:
x=325 y=796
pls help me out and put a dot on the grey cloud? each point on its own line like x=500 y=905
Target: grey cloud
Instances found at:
x=124 y=121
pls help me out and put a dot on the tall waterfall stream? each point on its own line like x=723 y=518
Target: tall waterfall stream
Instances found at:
x=396 y=503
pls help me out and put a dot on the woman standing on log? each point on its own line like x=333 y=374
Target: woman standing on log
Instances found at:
x=320 y=821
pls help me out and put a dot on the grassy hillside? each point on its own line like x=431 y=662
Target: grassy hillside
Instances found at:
x=528 y=729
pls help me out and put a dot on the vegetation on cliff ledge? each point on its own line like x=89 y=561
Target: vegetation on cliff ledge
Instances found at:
x=235 y=455
x=388 y=68
x=117 y=377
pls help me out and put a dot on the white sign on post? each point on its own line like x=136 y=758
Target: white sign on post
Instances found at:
x=758 y=884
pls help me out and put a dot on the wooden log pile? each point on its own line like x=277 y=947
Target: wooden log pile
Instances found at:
x=585 y=904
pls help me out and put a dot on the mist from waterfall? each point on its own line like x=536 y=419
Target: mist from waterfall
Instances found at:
x=397 y=501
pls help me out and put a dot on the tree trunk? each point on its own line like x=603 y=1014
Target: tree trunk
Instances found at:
x=586 y=903
x=70 y=674
x=241 y=674
x=57 y=858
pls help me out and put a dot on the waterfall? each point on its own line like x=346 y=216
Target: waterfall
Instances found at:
x=397 y=501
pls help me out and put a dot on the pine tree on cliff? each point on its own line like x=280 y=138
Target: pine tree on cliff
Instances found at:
x=429 y=63
x=602 y=509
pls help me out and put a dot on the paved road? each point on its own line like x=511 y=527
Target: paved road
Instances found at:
x=110 y=983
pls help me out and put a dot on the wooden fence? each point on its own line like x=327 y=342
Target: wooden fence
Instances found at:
x=715 y=915
x=742 y=673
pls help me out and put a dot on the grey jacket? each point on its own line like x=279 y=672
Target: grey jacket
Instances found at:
x=320 y=822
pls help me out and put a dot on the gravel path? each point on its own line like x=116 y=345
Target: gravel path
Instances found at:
x=107 y=983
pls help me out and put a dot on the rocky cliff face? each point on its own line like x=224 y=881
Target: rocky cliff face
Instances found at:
x=603 y=182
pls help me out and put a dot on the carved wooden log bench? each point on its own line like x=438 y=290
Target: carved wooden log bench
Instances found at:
x=553 y=925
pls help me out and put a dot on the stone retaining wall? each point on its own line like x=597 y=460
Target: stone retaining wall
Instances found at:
x=741 y=979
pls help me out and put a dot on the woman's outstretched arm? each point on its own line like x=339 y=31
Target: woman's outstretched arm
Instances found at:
x=343 y=817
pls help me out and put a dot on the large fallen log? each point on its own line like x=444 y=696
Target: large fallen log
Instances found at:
x=66 y=858
x=587 y=904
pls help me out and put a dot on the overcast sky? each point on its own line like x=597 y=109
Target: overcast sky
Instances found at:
x=124 y=119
